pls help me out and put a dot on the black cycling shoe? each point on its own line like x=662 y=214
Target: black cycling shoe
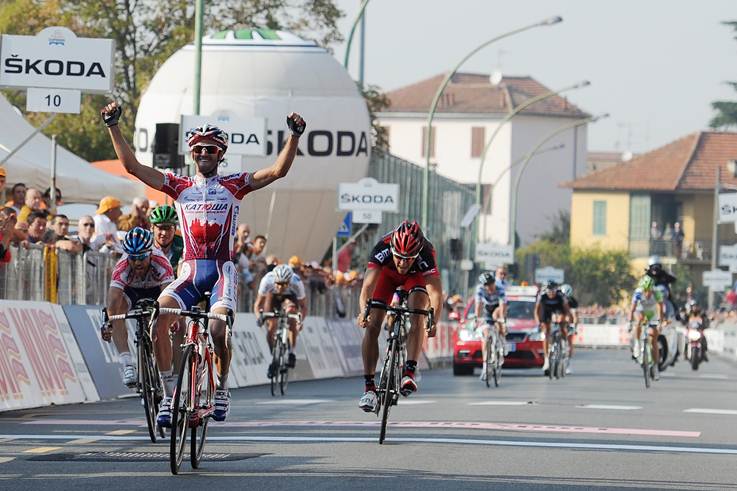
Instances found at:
x=292 y=361
x=271 y=371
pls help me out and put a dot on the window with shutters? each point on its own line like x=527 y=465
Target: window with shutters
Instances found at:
x=432 y=142
x=599 y=218
x=477 y=141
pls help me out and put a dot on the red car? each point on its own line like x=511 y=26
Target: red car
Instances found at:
x=524 y=342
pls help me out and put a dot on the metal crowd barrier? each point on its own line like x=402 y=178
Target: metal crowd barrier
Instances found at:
x=43 y=273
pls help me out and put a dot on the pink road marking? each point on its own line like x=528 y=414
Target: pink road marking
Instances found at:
x=464 y=425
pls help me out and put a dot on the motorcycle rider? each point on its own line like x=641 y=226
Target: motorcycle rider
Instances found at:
x=696 y=316
x=663 y=280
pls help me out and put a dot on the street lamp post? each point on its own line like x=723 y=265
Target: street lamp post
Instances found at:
x=358 y=18
x=431 y=114
x=528 y=158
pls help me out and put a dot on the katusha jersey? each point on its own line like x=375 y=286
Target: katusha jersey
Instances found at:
x=208 y=212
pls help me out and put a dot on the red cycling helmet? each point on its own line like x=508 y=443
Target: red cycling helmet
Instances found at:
x=407 y=240
x=207 y=134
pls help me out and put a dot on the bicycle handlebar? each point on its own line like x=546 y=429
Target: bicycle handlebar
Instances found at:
x=373 y=304
x=276 y=315
x=194 y=314
x=132 y=314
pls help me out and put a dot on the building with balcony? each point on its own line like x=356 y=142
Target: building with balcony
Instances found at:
x=635 y=205
x=471 y=108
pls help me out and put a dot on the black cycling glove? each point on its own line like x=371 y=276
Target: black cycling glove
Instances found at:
x=296 y=128
x=111 y=119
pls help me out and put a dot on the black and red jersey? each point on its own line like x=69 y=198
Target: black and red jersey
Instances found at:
x=381 y=257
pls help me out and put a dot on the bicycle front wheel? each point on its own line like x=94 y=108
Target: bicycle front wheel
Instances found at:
x=490 y=361
x=275 y=365
x=148 y=374
x=646 y=362
x=389 y=386
x=283 y=370
x=203 y=399
x=181 y=410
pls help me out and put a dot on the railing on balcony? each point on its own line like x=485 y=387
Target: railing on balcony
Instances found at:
x=697 y=251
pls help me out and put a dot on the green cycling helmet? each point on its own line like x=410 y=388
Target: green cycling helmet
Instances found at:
x=646 y=283
x=164 y=214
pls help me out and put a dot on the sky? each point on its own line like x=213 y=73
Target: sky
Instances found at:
x=654 y=65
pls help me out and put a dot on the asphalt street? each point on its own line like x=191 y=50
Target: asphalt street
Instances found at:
x=597 y=428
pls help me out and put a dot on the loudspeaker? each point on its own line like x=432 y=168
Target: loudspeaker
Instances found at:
x=166 y=146
x=456 y=249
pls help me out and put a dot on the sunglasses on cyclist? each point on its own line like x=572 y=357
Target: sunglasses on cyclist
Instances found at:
x=402 y=256
x=139 y=257
x=209 y=149
x=282 y=283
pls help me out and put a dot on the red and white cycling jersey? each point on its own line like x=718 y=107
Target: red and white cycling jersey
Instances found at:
x=159 y=273
x=208 y=212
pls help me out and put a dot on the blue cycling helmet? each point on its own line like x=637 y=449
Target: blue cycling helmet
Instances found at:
x=138 y=241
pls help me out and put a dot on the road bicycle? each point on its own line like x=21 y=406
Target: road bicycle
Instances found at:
x=396 y=354
x=645 y=354
x=194 y=397
x=558 y=355
x=280 y=349
x=494 y=355
x=149 y=385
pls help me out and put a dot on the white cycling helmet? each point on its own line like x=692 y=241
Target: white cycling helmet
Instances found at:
x=283 y=273
x=566 y=290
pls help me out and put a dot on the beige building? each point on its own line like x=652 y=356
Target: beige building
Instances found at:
x=639 y=205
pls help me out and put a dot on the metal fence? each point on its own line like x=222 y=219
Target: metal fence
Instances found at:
x=43 y=273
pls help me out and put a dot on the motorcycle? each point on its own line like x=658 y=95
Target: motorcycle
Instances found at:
x=694 y=352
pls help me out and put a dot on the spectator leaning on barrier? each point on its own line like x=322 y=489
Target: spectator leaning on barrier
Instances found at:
x=8 y=219
x=18 y=195
x=106 y=218
x=85 y=233
x=33 y=202
x=59 y=235
x=138 y=217
x=36 y=227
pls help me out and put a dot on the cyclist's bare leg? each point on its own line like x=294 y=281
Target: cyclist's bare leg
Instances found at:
x=485 y=335
x=291 y=308
x=545 y=326
x=370 y=345
x=162 y=343
x=117 y=304
x=656 y=347
x=417 y=333
x=222 y=344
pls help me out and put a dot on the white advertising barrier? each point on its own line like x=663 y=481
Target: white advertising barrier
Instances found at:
x=323 y=354
x=349 y=338
x=40 y=363
x=601 y=335
x=440 y=347
x=251 y=356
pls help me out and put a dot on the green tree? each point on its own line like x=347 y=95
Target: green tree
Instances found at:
x=376 y=101
x=726 y=111
x=561 y=231
x=598 y=276
x=146 y=33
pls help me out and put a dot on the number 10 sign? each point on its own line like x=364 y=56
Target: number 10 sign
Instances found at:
x=53 y=100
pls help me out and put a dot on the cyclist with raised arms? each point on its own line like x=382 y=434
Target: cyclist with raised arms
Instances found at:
x=208 y=206
x=281 y=289
x=164 y=227
x=490 y=309
x=550 y=302
x=142 y=273
x=402 y=258
x=648 y=308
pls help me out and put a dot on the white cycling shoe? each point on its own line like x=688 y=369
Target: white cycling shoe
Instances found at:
x=368 y=401
x=130 y=376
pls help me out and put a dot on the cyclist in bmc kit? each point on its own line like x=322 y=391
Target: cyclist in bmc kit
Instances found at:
x=281 y=289
x=208 y=206
x=402 y=258
x=490 y=309
x=142 y=273
x=571 y=322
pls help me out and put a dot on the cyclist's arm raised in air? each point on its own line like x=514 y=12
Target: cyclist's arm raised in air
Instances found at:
x=280 y=168
x=148 y=175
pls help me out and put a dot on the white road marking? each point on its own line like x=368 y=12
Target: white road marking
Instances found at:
x=714 y=376
x=702 y=410
x=293 y=402
x=5 y=460
x=415 y=402
x=502 y=403
x=41 y=450
x=608 y=406
x=449 y=441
